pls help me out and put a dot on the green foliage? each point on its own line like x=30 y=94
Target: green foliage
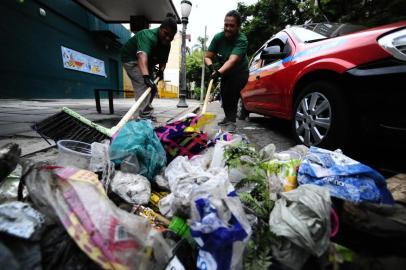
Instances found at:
x=246 y=159
x=367 y=13
x=197 y=91
x=194 y=67
x=266 y=17
x=257 y=255
x=257 y=202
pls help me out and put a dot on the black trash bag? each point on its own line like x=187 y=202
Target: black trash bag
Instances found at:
x=59 y=251
x=372 y=229
x=26 y=253
x=9 y=157
x=184 y=252
x=7 y=258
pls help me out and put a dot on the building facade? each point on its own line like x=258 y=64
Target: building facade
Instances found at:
x=57 y=49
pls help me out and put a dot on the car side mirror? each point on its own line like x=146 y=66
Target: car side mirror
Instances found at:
x=272 y=53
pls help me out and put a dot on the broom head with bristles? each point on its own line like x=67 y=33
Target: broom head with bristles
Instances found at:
x=64 y=126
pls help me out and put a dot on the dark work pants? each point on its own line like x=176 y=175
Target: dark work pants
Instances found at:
x=230 y=89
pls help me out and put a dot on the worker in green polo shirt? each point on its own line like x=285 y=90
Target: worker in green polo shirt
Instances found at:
x=229 y=48
x=140 y=55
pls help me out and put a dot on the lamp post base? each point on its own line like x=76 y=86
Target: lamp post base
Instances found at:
x=182 y=103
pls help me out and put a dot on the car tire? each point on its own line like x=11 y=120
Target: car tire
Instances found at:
x=320 y=116
x=242 y=113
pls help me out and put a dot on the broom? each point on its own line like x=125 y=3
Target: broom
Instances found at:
x=205 y=117
x=69 y=124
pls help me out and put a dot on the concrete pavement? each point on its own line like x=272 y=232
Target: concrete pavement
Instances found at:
x=16 y=116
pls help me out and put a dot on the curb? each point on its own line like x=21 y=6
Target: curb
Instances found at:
x=194 y=109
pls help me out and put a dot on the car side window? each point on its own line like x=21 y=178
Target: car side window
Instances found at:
x=256 y=61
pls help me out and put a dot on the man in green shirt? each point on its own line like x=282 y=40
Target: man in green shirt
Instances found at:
x=229 y=48
x=146 y=49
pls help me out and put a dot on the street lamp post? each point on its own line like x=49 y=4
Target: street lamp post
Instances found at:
x=203 y=66
x=186 y=7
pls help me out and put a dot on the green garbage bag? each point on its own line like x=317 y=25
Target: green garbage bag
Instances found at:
x=138 y=139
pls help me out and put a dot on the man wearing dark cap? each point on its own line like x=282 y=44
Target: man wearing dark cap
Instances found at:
x=140 y=55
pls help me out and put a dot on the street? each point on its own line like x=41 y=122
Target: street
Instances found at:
x=262 y=131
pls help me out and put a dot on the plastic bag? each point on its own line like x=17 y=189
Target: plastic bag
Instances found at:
x=218 y=154
x=282 y=173
x=370 y=228
x=301 y=218
x=161 y=181
x=9 y=188
x=218 y=225
x=100 y=163
x=346 y=178
x=110 y=236
x=397 y=186
x=267 y=152
x=20 y=219
x=183 y=176
x=9 y=156
x=138 y=138
x=133 y=188
x=296 y=152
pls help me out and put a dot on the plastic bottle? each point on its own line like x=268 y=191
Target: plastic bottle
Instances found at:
x=180 y=227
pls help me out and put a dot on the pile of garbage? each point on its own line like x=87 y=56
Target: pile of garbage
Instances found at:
x=173 y=198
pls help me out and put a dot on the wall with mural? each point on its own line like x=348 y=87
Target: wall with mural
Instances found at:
x=57 y=49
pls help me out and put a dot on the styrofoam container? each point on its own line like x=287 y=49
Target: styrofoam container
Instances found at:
x=73 y=154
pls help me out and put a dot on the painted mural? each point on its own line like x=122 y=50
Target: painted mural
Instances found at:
x=82 y=62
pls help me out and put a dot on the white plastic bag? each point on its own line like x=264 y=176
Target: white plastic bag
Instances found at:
x=218 y=154
x=302 y=217
x=133 y=188
x=184 y=176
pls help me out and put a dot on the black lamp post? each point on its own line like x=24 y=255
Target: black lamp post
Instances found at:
x=186 y=7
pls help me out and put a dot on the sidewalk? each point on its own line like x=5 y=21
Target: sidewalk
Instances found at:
x=16 y=116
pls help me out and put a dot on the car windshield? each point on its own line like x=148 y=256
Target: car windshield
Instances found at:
x=306 y=35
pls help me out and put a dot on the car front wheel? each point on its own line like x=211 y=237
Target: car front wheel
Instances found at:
x=320 y=116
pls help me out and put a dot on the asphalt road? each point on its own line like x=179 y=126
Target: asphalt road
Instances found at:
x=384 y=156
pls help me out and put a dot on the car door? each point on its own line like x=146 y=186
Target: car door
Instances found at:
x=249 y=93
x=271 y=78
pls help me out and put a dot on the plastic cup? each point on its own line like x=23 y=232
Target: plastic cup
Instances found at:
x=73 y=154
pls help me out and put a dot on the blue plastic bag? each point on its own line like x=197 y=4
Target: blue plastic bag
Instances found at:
x=346 y=178
x=138 y=138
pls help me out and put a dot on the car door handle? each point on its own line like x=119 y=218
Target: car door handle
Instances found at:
x=258 y=77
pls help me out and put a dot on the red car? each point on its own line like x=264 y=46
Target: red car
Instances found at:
x=332 y=81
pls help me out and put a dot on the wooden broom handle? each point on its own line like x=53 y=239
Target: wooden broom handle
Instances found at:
x=133 y=109
x=206 y=99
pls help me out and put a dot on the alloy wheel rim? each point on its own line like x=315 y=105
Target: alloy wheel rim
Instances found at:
x=313 y=118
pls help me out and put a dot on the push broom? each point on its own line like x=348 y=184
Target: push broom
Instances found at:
x=69 y=124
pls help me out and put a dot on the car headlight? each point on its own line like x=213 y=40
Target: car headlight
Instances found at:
x=395 y=44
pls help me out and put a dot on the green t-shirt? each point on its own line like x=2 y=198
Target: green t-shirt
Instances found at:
x=147 y=41
x=223 y=48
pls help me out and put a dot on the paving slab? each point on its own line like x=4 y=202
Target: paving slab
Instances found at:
x=17 y=116
x=27 y=145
